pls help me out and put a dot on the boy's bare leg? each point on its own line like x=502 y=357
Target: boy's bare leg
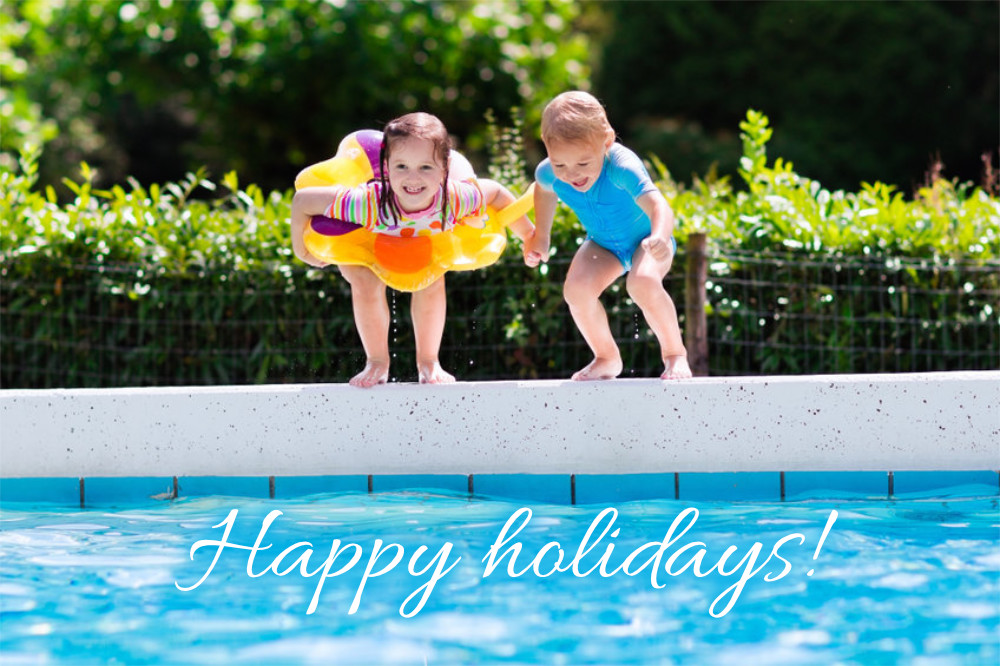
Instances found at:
x=645 y=287
x=592 y=271
x=428 y=308
x=371 y=317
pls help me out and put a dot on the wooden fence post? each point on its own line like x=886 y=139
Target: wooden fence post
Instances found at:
x=696 y=324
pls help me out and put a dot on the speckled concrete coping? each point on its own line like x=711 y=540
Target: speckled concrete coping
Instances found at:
x=926 y=421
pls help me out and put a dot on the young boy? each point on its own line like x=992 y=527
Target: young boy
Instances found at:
x=629 y=229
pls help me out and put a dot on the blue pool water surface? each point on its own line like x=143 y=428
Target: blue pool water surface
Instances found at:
x=824 y=581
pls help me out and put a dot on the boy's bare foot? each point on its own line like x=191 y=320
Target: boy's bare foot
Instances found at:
x=676 y=367
x=375 y=373
x=432 y=373
x=599 y=368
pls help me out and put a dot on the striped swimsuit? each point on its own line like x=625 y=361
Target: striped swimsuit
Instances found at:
x=360 y=205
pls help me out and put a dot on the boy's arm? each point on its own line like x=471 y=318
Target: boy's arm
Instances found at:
x=661 y=217
x=306 y=203
x=545 y=212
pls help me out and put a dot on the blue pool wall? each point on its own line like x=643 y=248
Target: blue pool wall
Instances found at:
x=762 y=438
x=98 y=492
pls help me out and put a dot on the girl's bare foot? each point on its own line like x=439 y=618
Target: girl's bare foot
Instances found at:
x=375 y=372
x=676 y=367
x=432 y=373
x=599 y=368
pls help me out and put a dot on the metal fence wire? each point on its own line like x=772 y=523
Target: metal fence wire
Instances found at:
x=765 y=313
x=785 y=314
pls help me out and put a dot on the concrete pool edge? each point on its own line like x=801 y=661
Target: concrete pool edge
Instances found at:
x=870 y=422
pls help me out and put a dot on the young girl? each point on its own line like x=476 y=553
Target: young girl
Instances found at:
x=414 y=191
x=629 y=229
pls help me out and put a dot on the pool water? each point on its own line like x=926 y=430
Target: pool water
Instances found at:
x=432 y=578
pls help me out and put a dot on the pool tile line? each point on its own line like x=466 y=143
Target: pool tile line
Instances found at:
x=729 y=488
x=171 y=494
x=175 y=490
x=890 y=485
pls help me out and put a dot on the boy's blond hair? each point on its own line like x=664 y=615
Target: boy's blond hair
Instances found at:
x=575 y=116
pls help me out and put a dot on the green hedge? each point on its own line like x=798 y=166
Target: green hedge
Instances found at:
x=195 y=283
x=810 y=281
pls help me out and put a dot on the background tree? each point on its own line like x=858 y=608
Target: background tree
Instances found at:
x=861 y=91
x=152 y=88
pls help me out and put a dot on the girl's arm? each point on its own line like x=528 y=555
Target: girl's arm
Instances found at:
x=499 y=197
x=306 y=203
x=661 y=216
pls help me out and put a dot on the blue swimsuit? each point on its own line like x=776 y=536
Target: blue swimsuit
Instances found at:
x=608 y=210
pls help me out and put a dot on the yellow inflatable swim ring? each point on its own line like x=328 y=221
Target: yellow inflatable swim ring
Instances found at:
x=403 y=263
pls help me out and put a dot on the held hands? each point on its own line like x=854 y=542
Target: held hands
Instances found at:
x=536 y=249
x=532 y=259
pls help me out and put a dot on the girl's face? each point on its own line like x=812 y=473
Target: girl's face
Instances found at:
x=578 y=163
x=415 y=175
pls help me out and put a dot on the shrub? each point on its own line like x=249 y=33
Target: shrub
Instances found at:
x=194 y=282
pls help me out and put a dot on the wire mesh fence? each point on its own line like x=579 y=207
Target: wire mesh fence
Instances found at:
x=786 y=314
x=766 y=313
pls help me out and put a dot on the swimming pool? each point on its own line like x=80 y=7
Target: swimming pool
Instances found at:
x=848 y=519
x=440 y=578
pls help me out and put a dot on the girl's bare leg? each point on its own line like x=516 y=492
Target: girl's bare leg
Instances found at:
x=592 y=271
x=371 y=317
x=676 y=367
x=645 y=287
x=428 y=309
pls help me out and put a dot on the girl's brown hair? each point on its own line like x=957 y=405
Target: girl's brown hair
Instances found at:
x=413 y=125
x=575 y=116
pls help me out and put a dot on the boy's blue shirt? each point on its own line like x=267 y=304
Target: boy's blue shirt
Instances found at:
x=608 y=210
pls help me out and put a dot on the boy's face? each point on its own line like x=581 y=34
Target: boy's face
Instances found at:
x=415 y=175
x=578 y=163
